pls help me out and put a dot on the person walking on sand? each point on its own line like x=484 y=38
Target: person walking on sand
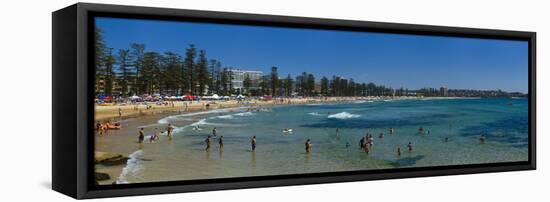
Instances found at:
x=308 y=146
x=207 y=141
x=410 y=146
x=169 y=130
x=141 y=136
x=253 y=143
x=119 y=113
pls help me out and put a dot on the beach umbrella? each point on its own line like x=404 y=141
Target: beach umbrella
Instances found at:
x=190 y=97
x=215 y=96
x=135 y=97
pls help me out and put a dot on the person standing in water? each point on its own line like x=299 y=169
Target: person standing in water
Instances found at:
x=214 y=132
x=253 y=143
x=398 y=151
x=308 y=145
x=482 y=139
x=220 y=141
x=410 y=146
x=362 y=142
x=98 y=127
x=169 y=130
x=207 y=141
x=141 y=136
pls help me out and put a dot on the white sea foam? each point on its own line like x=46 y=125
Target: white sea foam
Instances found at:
x=229 y=116
x=186 y=116
x=314 y=114
x=360 y=102
x=245 y=114
x=133 y=166
x=344 y=115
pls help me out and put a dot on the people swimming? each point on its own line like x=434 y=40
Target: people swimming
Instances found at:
x=421 y=130
x=253 y=143
x=207 y=141
x=141 y=136
x=370 y=140
x=308 y=145
x=197 y=127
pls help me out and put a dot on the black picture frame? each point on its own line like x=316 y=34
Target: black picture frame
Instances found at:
x=73 y=111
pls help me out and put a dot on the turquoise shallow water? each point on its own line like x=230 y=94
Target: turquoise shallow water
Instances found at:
x=461 y=121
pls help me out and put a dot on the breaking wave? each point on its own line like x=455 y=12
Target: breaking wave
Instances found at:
x=344 y=115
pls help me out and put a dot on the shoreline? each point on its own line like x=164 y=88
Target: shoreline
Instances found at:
x=110 y=112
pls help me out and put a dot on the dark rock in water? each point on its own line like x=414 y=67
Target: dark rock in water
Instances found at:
x=109 y=159
x=102 y=176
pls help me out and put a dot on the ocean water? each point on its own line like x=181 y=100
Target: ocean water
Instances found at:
x=461 y=121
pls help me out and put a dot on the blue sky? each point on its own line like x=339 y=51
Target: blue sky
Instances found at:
x=394 y=60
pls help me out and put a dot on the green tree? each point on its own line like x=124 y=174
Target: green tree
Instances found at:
x=274 y=81
x=324 y=86
x=203 y=76
x=150 y=73
x=310 y=84
x=100 y=55
x=225 y=82
x=171 y=71
x=125 y=72
x=247 y=83
x=214 y=67
x=188 y=72
x=136 y=53
x=288 y=83
x=109 y=73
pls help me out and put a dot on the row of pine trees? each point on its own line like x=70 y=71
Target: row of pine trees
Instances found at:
x=137 y=72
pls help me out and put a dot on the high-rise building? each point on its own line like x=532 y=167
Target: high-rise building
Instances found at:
x=238 y=76
x=444 y=91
